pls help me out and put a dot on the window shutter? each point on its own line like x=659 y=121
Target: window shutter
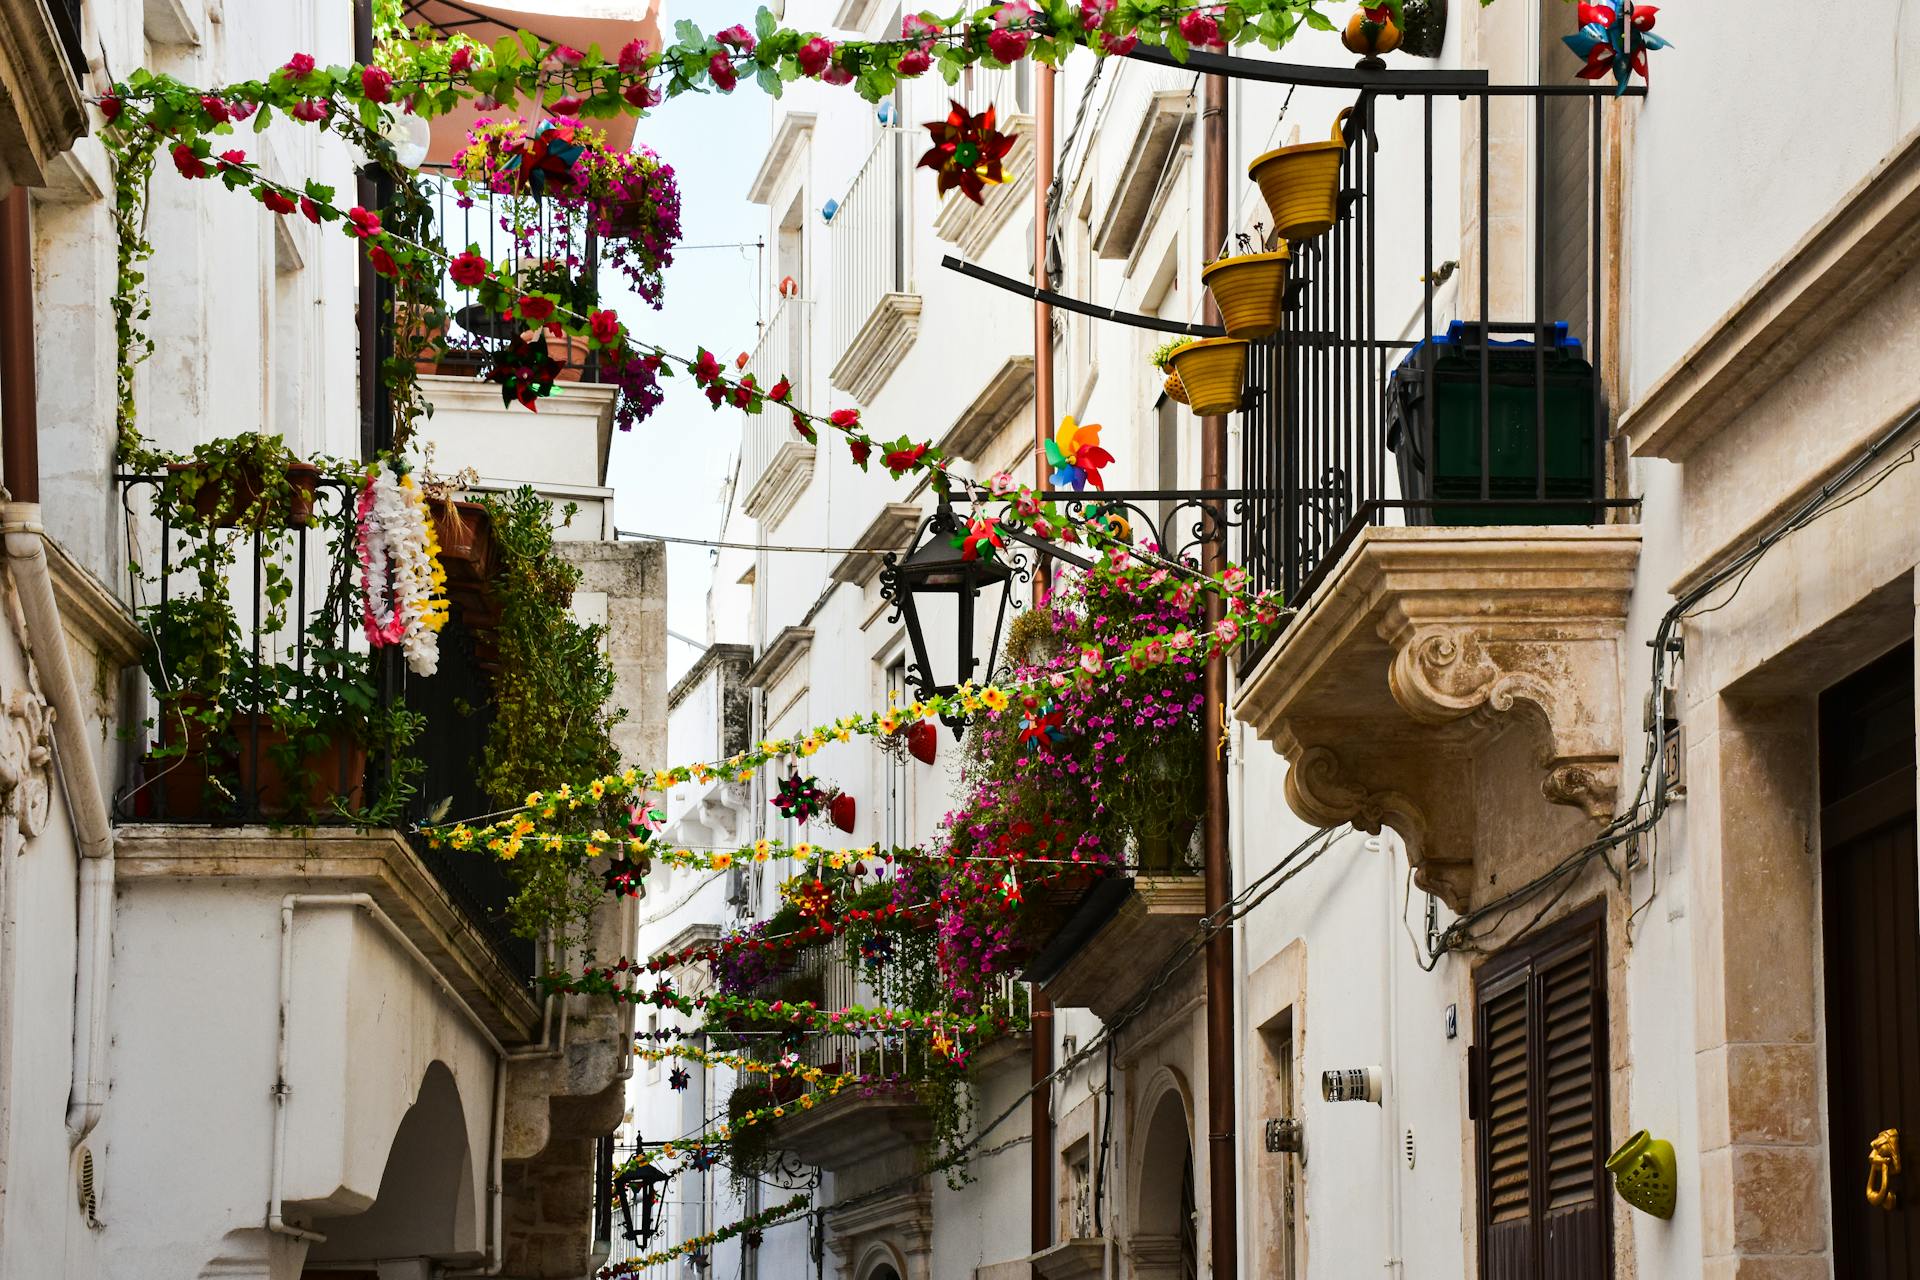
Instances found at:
x=1540 y=1103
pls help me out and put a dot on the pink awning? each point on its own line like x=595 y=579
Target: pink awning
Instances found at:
x=580 y=23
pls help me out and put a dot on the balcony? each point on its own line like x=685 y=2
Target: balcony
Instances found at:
x=776 y=462
x=1436 y=506
x=270 y=715
x=1116 y=936
x=876 y=317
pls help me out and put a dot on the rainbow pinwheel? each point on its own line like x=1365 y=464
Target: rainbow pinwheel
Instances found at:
x=966 y=152
x=1076 y=456
x=1041 y=724
x=1615 y=39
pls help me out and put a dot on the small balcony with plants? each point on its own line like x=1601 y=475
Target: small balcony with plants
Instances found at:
x=1414 y=337
x=337 y=654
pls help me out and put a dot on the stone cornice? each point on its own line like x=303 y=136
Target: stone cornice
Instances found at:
x=877 y=350
x=1871 y=238
x=789 y=138
x=780 y=485
x=891 y=530
x=92 y=612
x=41 y=112
x=341 y=860
x=1390 y=689
x=1005 y=394
x=791 y=645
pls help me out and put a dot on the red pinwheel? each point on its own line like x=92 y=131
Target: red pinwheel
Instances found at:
x=525 y=372
x=547 y=155
x=1042 y=724
x=1615 y=40
x=966 y=152
x=981 y=539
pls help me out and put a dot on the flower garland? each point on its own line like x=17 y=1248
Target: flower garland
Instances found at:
x=631 y=1268
x=787 y=1066
x=403 y=586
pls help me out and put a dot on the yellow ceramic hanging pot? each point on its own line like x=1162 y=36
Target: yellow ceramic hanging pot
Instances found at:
x=1249 y=289
x=1302 y=183
x=1213 y=371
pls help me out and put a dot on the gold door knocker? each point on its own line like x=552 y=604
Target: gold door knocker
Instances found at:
x=1883 y=1166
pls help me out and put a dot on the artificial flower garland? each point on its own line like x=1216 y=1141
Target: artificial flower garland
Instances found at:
x=403 y=585
x=631 y=1268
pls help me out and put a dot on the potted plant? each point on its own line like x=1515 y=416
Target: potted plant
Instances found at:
x=1163 y=360
x=1301 y=184
x=247 y=481
x=1213 y=371
x=1249 y=289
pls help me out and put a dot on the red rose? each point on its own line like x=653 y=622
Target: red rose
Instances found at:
x=275 y=201
x=716 y=395
x=468 y=270
x=382 y=261
x=720 y=67
x=299 y=64
x=707 y=369
x=605 y=326
x=900 y=461
x=376 y=84
x=845 y=419
x=310 y=210
x=365 y=222
x=228 y=159
x=189 y=164
x=743 y=393
x=914 y=62
x=111 y=106
x=804 y=427
x=862 y=449
x=814 y=55
x=781 y=390
x=534 y=308
x=1008 y=45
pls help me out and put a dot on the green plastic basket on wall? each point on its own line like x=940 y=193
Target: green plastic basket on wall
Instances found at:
x=1645 y=1174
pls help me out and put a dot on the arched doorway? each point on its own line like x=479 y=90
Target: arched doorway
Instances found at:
x=884 y=1271
x=1164 y=1244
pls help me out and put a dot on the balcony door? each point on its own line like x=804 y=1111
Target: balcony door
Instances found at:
x=1870 y=892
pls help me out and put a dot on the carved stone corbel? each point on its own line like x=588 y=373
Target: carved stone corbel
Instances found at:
x=1460 y=686
x=26 y=757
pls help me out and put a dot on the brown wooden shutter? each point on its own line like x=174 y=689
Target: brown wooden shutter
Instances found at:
x=1539 y=1102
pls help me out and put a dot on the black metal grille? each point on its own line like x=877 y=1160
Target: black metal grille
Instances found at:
x=1345 y=409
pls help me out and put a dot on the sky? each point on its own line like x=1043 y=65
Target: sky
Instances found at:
x=669 y=472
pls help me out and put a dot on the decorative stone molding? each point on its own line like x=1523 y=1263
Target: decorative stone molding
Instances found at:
x=41 y=112
x=26 y=752
x=891 y=530
x=971 y=227
x=1461 y=686
x=780 y=485
x=1127 y=927
x=790 y=137
x=1005 y=395
x=877 y=350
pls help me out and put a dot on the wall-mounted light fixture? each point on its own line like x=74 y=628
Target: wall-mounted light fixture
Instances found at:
x=1351 y=1084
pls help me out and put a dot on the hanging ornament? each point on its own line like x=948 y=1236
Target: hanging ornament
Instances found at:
x=1615 y=39
x=1372 y=32
x=1010 y=888
x=525 y=371
x=801 y=799
x=678 y=1079
x=923 y=741
x=1042 y=724
x=624 y=877
x=981 y=539
x=643 y=822
x=1076 y=456
x=549 y=153
x=966 y=152
x=841 y=810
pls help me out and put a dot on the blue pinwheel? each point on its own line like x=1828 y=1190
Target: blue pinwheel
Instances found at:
x=1615 y=39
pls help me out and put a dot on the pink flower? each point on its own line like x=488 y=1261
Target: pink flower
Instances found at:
x=1118 y=46
x=365 y=222
x=1091 y=662
x=1094 y=12
x=240 y=110
x=1226 y=631
x=720 y=67
x=836 y=74
x=298 y=65
x=814 y=55
x=915 y=27
x=738 y=36
x=1005 y=42
x=216 y=109
x=311 y=110
x=462 y=60
x=641 y=95
x=1201 y=28
x=376 y=84
x=633 y=57
x=914 y=62
x=568 y=105
x=567 y=56
x=1001 y=483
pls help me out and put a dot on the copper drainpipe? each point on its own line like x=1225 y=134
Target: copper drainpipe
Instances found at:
x=1041 y=1010
x=20 y=445
x=1222 y=1201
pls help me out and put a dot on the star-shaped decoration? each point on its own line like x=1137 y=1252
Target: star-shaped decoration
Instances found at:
x=1076 y=456
x=678 y=1079
x=967 y=152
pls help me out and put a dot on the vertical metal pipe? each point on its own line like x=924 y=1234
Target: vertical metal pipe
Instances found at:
x=19 y=416
x=367 y=318
x=1222 y=1197
x=1041 y=1006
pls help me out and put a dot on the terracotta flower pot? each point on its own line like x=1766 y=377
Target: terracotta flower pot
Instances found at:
x=1214 y=371
x=572 y=353
x=336 y=771
x=1301 y=184
x=174 y=789
x=1249 y=289
x=465 y=533
x=224 y=505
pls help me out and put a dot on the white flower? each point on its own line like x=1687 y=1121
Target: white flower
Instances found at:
x=400 y=571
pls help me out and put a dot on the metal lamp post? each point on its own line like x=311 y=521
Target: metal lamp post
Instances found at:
x=935 y=569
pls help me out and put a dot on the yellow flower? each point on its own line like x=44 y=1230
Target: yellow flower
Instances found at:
x=803 y=851
x=721 y=861
x=809 y=745
x=630 y=779
x=522 y=825
x=806 y=1103
x=761 y=850
x=596 y=788
x=778 y=1112
x=600 y=836
x=637 y=845
x=566 y=790
x=511 y=848
x=533 y=799
x=837 y=859
x=546 y=811
x=662 y=780
x=889 y=722
x=552 y=842
x=918 y=710
x=995 y=699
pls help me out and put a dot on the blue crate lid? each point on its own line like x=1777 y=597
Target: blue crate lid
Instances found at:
x=1463 y=336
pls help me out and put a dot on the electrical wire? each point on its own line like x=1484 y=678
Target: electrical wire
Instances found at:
x=721 y=544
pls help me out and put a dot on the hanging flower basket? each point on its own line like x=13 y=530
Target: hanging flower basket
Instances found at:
x=1249 y=289
x=1301 y=184
x=1646 y=1174
x=233 y=500
x=1213 y=370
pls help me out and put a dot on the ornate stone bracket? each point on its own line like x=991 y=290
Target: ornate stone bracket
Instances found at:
x=1461 y=686
x=26 y=754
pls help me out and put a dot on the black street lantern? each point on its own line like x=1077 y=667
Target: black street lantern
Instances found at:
x=933 y=581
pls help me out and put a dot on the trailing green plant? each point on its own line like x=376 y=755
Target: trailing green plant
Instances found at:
x=553 y=712
x=1162 y=356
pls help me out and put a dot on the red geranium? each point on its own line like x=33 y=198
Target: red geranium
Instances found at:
x=189 y=164
x=462 y=60
x=310 y=210
x=299 y=64
x=377 y=84
x=275 y=201
x=217 y=110
x=605 y=326
x=720 y=67
x=814 y=55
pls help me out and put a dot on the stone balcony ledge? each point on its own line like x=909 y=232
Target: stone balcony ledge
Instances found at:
x=1117 y=941
x=1461 y=686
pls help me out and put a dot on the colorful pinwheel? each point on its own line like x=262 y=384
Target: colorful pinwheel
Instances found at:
x=624 y=878
x=1615 y=39
x=966 y=152
x=1076 y=456
x=678 y=1079
x=548 y=154
x=981 y=539
x=801 y=799
x=525 y=372
x=1042 y=723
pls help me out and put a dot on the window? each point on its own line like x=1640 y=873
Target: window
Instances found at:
x=1281 y=1171
x=1538 y=1088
